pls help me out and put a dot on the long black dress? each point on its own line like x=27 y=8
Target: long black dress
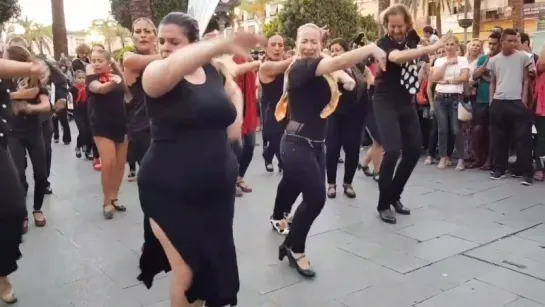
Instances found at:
x=12 y=204
x=187 y=186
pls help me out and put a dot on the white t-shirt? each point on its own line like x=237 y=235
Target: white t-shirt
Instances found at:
x=451 y=72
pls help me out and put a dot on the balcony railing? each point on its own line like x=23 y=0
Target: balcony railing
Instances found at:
x=493 y=14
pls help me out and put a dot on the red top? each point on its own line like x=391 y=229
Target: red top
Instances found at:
x=246 y=83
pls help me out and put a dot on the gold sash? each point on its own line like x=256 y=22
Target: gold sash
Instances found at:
x=281 y=109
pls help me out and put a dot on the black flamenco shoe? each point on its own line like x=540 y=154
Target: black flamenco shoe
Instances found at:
x=366 y=171
x=284 y=251
x=117 y=207
x=269 y=167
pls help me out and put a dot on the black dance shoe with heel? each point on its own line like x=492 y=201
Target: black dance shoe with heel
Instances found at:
x=284 y=251
x=117 y=207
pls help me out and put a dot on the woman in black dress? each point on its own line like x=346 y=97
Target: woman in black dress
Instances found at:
x=12 y=207
x=144 y=35
x=108 y=125
x=312 y=95
x=188 y=201
x=394 y=109
x=29 y=99
x=345 y=126
x=271 y=78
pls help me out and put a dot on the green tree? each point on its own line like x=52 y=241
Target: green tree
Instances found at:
x=37 y=36
x=8 y=9
x=341 y=16
x=110 y=30
x=258 y=8
x=369 y=26
x=159 y=8
x=272 y=28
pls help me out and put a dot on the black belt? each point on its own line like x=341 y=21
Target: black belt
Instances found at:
x=317 y=144
x=448 y=95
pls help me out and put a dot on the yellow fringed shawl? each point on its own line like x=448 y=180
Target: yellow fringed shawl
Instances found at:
x=281 y=109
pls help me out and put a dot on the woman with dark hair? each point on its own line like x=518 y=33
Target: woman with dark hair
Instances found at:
x=107 y=89
x=345 y=125
x=312 y=95
x=13 y=206
x=394 y=109
x=29 y=99
x=144 y=35
x=196 y=113
x=271 y=78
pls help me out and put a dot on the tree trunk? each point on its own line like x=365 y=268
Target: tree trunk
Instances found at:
x=382 y=5
x=60 y=39
x=516 y=15
x=438 y=12
x=139 y=9
x=476 y=19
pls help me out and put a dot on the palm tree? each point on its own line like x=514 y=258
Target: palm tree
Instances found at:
x=516 y=15
x=438 y=5
x=122 y=33
x=37 y=36
x=108 y=28
x=140 y=8
x=60 y=38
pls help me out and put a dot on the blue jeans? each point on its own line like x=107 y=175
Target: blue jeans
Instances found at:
x=446 y=114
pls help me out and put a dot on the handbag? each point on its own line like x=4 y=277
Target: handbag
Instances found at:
x=464 y=111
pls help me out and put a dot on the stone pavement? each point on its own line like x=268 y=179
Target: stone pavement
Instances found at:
x=470 y=242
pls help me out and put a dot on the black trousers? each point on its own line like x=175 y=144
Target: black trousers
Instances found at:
x=399 y=130
x=245 y=152
x=47 y=132
x=62 y=118
x=272 y=134
x=85 y=137
x=139 y=143
x=33 y=142
x=304 y=172
x=511 y=120
x=343 y=131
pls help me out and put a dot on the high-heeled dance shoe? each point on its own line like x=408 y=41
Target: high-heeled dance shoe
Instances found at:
x=9 y=298
x=284 y=251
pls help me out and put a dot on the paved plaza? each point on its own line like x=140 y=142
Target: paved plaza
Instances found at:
x=470 y=242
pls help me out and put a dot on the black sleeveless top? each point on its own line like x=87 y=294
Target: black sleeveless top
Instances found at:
x=271 y=92
x=106 y=111
x=307 y=97
x=138 y=119
x=190 y=106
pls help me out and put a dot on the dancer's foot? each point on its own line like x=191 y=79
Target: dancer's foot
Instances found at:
x=48 y=189
x=399 y=208
x=442 y=163
x=7 y=295
x=387 y=216
x=243 y=186
x=238 y=191
x=461 y=165
x=269 y=167
x=297 y=261
x=108 y=212
x=280 y=226
x=117 y=206
x=78 y=152
x=97 y=165
x=428 y=161
x=332 y=191
x=39 y=218
x=132 y=176
x=349 y=191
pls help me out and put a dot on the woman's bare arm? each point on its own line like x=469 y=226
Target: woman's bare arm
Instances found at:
x=134 y=64
x=162 y=75
x=24 y=94
x=348 y=59
x=101 y=88
x=234 y=131
x=270 y=69
x=14 y=69
x=243 y=68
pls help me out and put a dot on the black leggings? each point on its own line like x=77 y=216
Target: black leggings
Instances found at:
x=33 y=142
x=304 y=172
x=245 y=153
x=85 y=137
x=346 y=132
x=272 y=134
x=138 y=146
x=62 y=117
x=399 y=130
x=47 y=132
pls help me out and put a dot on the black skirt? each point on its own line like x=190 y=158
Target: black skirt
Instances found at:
x=12 y=214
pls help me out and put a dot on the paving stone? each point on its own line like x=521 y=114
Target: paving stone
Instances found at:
x=441 y=248
x=473 y=293
x=428 y=230
x=523 y=302
x=515 y=253
x=80 y=259
x=525 y=286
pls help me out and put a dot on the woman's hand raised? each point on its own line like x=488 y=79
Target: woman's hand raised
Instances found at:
x=241 y=42
x=379 y=55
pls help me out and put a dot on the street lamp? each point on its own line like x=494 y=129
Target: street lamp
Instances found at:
x=465 y=22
